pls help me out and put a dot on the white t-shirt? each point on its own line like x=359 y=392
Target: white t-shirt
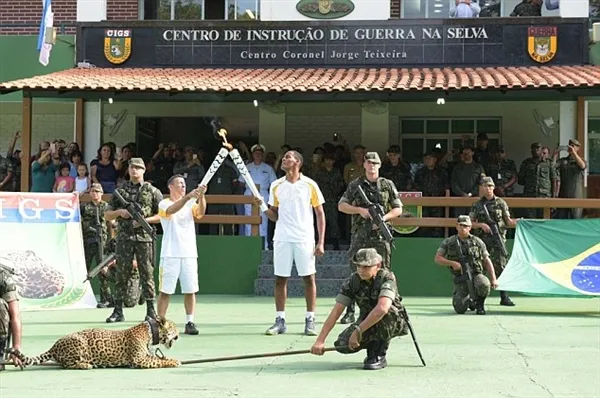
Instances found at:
x=295 y=202
x=179 y=232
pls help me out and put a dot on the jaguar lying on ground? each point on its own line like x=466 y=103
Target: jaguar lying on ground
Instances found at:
x=101 y=348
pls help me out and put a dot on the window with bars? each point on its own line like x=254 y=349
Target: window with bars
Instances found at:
x=441 y=8
x=200 y=9
x=418 y=135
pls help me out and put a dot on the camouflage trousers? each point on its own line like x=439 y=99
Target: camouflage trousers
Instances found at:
x=390 y=326
x=331 y=220
x=105 y=279
x=498 y=259
x=383 y=248
x=460 y=296
x=144 y=255
x=4 y=319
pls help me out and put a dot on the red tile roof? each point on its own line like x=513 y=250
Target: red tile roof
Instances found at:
x=310 y=79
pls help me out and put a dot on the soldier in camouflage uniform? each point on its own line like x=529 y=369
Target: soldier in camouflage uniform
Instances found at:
x=503 y=171
x=448 y=255
x=376 y=292
x=95 y=228
x=539 y=179
x=9 y=310
x=330 y=181
x=432 y=180
x=500 y=215
x=528 y=8
x=133 y=240
x=396 y=170
x=364 y=233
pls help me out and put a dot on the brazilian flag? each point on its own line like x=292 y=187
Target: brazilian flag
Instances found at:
x=554 y=257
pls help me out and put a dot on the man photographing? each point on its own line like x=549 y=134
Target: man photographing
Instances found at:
x=179 y=253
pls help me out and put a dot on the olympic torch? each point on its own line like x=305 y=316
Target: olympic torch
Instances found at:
x=239 y=162
x=221 y=156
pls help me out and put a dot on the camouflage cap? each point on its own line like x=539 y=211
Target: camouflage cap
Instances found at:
x=488 y=182
x=367 y=257
x=96 y=187
x=373 y=157
x=464 y=220
x=573 y=141
x=137 y=162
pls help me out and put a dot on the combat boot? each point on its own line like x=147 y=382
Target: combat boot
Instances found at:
x=2 y=351
x=377 y=361
x=150 y=312
x=349 y=317
x=105 y=302
x=117 y=314
x=505 y=300
x=479 y=307
x=370 y=352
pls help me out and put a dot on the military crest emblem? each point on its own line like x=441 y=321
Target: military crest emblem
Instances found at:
x=117 y=45
x=325 y=9
x=409 y=211
x=542 y=43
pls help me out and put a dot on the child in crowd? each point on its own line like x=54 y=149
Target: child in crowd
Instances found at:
x=64 y=182
x=82 y=182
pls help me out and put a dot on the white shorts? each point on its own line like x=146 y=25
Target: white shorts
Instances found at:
x=287 y=253
x=184 y=269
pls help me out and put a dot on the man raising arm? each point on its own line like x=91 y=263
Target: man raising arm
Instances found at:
x=179 y=253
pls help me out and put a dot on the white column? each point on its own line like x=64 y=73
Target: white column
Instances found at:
x=375 y=121
x=567 y=118
x=271 y=126
x=92 y=129
x=574 y=8
x=91 y=10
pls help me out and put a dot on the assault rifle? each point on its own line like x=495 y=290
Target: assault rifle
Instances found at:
x=377 y=213
x=136 y=212
x=495 y=230
x=6 y=268
x=412 y=333
x=104 y=263
x=465 y=277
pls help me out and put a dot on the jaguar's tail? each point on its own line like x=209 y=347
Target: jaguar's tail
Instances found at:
x=31 y=361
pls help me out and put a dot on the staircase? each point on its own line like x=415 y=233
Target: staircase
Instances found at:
x=332 y=270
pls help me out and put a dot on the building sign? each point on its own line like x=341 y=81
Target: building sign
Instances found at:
x=325 y=9
x=334 y=44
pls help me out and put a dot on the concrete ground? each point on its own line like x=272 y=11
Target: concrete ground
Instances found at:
x=544 y=347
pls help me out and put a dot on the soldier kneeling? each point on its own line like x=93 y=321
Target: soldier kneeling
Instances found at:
x=470 y=291
x=375 y=292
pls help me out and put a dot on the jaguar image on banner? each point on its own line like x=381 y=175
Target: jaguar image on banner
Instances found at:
x=42 y=243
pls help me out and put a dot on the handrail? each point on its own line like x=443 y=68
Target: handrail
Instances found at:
x=516 y=202
x=253 y=220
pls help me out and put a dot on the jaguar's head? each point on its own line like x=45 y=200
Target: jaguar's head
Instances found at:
x=167 y=332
